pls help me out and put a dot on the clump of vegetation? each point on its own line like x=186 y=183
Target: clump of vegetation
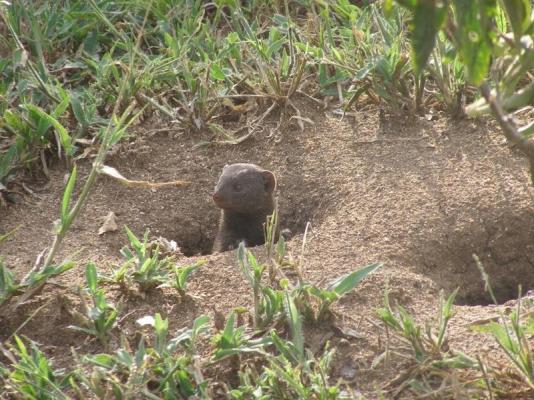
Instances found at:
x=431 y=365
x=30 y=373
x=100 y=315
x=149 y=270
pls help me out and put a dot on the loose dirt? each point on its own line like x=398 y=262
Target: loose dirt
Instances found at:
x=420 y=196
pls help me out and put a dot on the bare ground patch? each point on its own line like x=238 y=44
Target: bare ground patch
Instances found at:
x=421 y=196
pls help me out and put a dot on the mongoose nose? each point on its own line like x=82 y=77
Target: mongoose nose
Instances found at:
x=216 y=197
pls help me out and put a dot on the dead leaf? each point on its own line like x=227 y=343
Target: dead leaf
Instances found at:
x=346 y=332
x=112 y=172
x=240 y=107
x=167 y=246
x=87 y=152
x=483 y=321
x=110 y=224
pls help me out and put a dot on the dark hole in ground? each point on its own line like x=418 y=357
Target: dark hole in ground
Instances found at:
x=505 y=281
x=195 y=237
x=505 y=248
x=200 y=237
x=188 y=215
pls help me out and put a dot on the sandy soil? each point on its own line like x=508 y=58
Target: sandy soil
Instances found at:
x=420 y=196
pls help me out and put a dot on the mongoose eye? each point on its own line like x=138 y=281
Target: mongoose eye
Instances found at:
x=237 y=187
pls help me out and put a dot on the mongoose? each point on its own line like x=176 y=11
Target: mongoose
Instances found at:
x=244 y=192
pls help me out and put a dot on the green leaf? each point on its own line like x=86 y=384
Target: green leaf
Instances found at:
x=217 y=72
x=286 y=348
x=64 y=138
x=7 y=283
x=229 y=327
x=295 y=324
x=529 y=325
x=348 y=282
x=7 y=162
x=388 y=8
x=474 y=36
x=140 y=353
x=501 y=19
x=199 y=325
x=35 y=278
x=20 y=345
x=102 y=360
x=183 y=273
x=89 y=331
x=427 y=19
x=134 y=241
x=67 y=195
x=62 y=106
x=14 y=121
x=91 y=276
x=77 y=109
x=518 y=13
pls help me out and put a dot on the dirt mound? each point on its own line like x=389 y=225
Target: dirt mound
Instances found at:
x=421 y=196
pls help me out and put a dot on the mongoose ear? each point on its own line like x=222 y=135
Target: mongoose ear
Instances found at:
x=270 y=181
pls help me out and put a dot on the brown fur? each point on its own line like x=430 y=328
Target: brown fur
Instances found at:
x=245 y=194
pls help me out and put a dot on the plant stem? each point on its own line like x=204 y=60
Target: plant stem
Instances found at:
x=508 y=126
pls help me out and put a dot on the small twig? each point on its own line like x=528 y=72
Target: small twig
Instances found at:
x=244 y=95
x=125 y=316
x=301 y=258
x=321 y=103
x=486 y=378
x=43 y=162
x=387 y=140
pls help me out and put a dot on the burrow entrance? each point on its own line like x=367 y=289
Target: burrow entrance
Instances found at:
x=188 y=215
x=195 y=237
x=504 y=246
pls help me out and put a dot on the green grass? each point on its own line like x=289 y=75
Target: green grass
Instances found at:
x=190 y=64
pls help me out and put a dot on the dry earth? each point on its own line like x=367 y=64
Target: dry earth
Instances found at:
x=420 y=196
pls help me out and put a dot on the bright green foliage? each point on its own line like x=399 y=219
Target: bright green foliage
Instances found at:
x=233 y=340
x=281 y=379
x=519 y=14
x=9 y=286
x=428 y=17
x=153 y=372
x=430 y=358
x=253 y=272
x=474 y=36
x=30 y=374
x=512 y=336
x=193 y=60
x=149 y=270
x=293 y=371
x=66 y=200
x=338 y=288
x=100 y=317
x=182 y=275
x=487 y=35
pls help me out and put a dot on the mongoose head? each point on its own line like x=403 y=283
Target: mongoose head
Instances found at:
x=245 y=188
